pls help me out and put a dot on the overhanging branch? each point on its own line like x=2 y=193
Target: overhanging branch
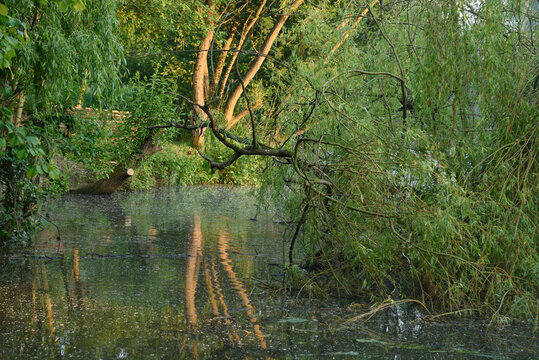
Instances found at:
x=220 y=165
x=180 y=126
x=224 y=136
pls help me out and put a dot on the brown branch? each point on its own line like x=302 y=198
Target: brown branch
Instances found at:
x=248 y=102
x=223 y=136
x=376 y=73
x=220 y=165
x=313 y=181
x=300 y=131
x=298 y=228
x=394 y=49
x=180 y=126
x=203 y=125
x=243 y=113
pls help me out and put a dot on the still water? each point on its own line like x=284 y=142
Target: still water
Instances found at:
x=186 y=273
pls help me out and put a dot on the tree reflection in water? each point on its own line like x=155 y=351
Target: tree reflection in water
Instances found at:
x=43 y=307
x=214 y=290
x=224 y=245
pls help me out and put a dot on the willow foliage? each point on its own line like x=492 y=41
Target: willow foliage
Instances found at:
x=59 y=48
x=68 y=47
x=435 y=199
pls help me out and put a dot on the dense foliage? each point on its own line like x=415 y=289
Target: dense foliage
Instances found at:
x=50 y=49
x=399 y=137
x=437 y=201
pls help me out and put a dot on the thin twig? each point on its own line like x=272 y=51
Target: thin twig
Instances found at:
x=403 y=86
x=300 y=223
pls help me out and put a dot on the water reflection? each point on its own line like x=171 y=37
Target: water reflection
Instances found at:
x=191 y=273
x=44 y=287
x=214 y=292
x=169 y=274
x=226 y=262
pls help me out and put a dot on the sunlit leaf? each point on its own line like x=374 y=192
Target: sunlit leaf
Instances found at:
x=32 y=140
x=54 y=174
x=22 y=154
x=78 y=6
x=31 y=172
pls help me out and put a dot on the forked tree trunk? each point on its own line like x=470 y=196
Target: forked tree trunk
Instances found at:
x=221 y=60
x=256 y=64
x=246 y=30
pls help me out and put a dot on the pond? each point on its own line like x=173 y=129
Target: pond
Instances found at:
x=194 y=273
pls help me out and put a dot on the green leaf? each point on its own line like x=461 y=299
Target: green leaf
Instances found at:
x=4 y=63
x=3 y=9
x=11 y=41
x=22 y=154
x=54 y=174
x=13 y=139
x=31 y=173
x=293 y=320
x=2 y=143
x=32 y=140
x=78 y=6
x=63 y=6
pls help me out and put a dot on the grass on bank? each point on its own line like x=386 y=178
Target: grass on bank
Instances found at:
x=180 y=164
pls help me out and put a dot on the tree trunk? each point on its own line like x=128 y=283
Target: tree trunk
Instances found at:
x=121 y=172
x=222 y=59
x=18 y=113
x=246 y=30
x=200 y=88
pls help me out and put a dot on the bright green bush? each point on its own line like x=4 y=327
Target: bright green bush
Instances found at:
x=45 y=57
x=181 y=165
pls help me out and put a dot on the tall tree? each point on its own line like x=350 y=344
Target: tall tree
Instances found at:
x=202 y=92
x=408 y=166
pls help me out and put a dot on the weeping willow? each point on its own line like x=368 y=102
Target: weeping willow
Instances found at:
x=415 y=154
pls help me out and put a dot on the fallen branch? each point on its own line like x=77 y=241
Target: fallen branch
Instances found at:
x=386 y=305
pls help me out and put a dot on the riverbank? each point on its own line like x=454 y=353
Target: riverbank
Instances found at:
x=176 y=164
